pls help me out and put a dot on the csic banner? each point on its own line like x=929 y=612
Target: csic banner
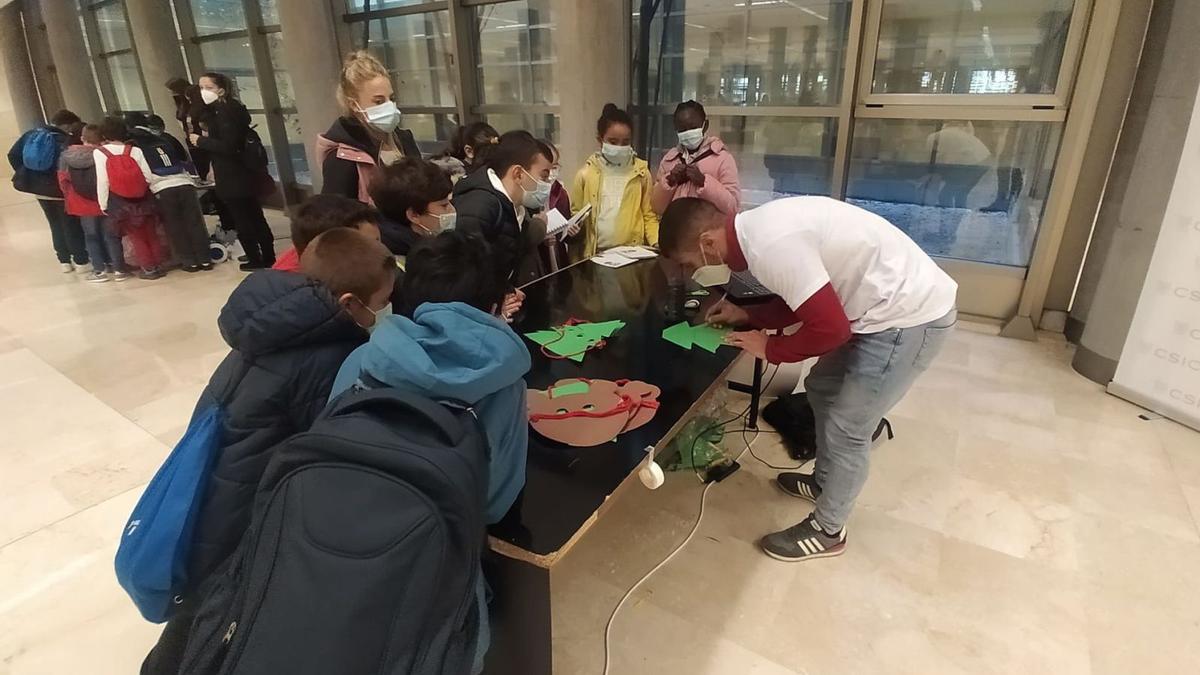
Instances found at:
x=1160 y=363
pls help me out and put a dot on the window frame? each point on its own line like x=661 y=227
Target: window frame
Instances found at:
x=101 y=68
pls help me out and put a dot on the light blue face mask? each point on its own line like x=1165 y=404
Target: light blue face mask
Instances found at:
x=384 y=117
x=618 y=155
x=537 y=197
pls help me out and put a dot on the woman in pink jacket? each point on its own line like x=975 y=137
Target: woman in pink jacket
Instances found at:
x=700 y=166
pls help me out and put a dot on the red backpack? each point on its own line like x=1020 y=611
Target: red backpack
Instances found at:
x=125 y=178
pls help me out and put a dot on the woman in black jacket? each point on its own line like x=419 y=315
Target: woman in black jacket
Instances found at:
x=368 y=132
x=228 y=124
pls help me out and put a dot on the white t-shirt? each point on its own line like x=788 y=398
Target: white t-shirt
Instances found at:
x=797 y=245
x=612 y=190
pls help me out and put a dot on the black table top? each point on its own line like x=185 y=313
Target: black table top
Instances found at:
x=565 y=485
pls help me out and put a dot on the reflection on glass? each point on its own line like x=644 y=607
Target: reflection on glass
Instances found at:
x=232 y=57
x=776 y=156
x=516 y=53
x=127 y=81
x=417 y=52
x=541 y=126
x=973 y=190
x=283 y=79
x=291 y=122
x=971 y=46
x=218 y=16
x=270 y=12
x=114 y=32
x=735 y=52
x=432 y=131
x=258 y=122
x=361 y=5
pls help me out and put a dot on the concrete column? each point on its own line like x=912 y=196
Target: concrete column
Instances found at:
x=149 y=21
x=39 y=56
x=589 y=34
x=311 y=54
x=71 y=58
x=1139 y=185
x=26 y=107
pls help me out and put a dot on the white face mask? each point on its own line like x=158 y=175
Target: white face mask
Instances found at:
x=385 y=117
x=380 y=315
x=208 y=96
x=616 y=154
x=711 y=275
x=536 y=198
x=691 y=139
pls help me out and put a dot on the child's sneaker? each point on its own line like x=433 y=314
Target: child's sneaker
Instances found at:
x=96 y=278
x=85 y=268
x=151 y=274
x=120 y=275
x=67 y=268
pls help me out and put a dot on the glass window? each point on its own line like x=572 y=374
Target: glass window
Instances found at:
x=291 y=123
x=541 y=126
x=232 y=57
x=259 y=123
x=114 y=31
x=218 y=16
x=969 y=190
x=283 y=79
x=734 y=52
x=127 y=81
x=417 y=52
x=432 y=131
x=971 y=46
x=516 y=53
x=361 y=5
x=270 y=12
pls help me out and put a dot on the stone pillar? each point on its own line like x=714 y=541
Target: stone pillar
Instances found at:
x=310 y=52
x=71 y=59
x=26 y=110
x=589 y=34
x=1139 y=185
x=160 y=59
x=44 y=72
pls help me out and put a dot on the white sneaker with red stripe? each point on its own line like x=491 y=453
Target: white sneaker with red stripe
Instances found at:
x=804 y=541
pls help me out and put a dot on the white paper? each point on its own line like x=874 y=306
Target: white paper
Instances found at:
x=613 y=260
x=557 y=224
x=633 y=252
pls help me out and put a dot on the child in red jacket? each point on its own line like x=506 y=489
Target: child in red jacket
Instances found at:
x=77 y=179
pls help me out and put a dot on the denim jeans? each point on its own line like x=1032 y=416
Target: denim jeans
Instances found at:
x=103 y=245
x=850 y=390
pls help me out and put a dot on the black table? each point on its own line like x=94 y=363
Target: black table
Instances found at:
x=566 y=487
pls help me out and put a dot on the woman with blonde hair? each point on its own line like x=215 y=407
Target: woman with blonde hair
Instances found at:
x=368 y=133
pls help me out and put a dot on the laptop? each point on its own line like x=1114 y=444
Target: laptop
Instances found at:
x=743 y=286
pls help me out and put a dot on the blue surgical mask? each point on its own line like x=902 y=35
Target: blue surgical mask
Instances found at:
x=385 y=117
x=616 y=154
x=537 y=197
x=691 y=139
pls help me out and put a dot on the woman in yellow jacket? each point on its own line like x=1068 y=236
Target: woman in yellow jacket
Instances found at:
x=617 y=184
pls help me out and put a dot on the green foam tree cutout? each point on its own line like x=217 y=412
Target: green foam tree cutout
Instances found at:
x=706 y=337
x=573 y=342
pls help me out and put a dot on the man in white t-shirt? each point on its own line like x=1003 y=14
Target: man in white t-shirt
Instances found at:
x=872 y=305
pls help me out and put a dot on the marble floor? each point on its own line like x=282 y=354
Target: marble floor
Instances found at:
x=1022 y=521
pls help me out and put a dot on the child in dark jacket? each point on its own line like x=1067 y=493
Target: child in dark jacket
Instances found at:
x=288 y=335
x=77 y=178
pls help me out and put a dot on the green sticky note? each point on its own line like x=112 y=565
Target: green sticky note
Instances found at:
x=679 y=334
x=569 y=389
x=709 y=337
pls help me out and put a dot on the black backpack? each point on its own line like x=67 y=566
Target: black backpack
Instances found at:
x=254 y=155
x=164 y=155
x=83 y=181
x=363 y=552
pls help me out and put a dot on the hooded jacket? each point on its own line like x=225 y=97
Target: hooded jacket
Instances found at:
x=288 y=336
x=228 y=124
x=482 y=209
x=721 y=184
x=349 y=153
x=637 y=223
x=452 y=351
x=76 y=165
x=38 y=183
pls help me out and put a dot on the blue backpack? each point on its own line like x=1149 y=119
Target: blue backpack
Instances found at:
x=152 y=557
x=40 y=152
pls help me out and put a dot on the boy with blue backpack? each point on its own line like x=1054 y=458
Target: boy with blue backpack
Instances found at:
x=34 y=159
x=174 y=189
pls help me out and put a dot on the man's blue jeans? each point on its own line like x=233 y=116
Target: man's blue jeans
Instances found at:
x=850 y=390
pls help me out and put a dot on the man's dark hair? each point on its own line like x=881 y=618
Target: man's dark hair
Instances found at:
x=682 y=223
x=411 y=183
x=324 y=213
x=65 y=118
x=453 y=266
x=516 y=148
x=349 y=262
x=177 y=85
x=612 y=115
x=114 y=129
